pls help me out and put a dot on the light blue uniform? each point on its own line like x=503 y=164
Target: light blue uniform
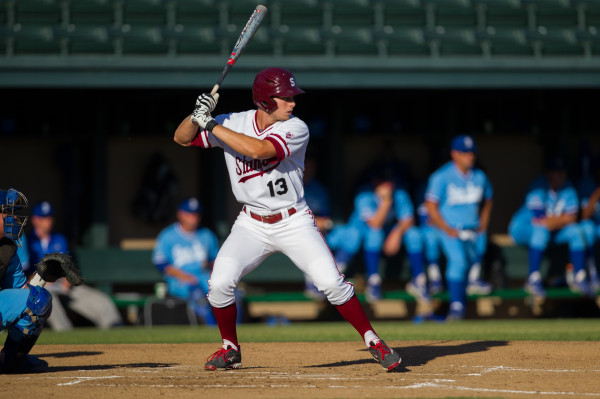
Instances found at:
x=590 y=226
x=358 y=232
x=459 y=197
x=16 y=302
x=190 y=252
x=542 y=201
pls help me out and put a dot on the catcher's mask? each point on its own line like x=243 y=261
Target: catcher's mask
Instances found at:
x=13 y=206
x=272 y=82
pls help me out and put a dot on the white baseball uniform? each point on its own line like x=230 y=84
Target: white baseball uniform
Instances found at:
x=275 y=217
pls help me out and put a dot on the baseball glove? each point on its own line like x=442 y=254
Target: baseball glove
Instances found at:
x=56 y=265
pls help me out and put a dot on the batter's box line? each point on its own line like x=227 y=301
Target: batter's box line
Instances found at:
x=492 y=390
x=489 y=369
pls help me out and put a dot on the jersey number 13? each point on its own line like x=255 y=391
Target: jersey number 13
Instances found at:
x=279 y=187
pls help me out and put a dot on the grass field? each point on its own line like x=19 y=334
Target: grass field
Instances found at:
x=489 y=330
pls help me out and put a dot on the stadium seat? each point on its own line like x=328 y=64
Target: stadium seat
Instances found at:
x=85 y=39
x=137 y=40
x=506 y=41
x=555 y=42
x=188 y=39
x=348 y=41
x=296 y=40
x=402 y=41
x=452 y=42
x=31 y=39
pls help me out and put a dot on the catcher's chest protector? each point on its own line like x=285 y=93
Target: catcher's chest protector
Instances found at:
x=7 y=250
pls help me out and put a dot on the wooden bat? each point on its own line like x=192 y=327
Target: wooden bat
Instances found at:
x=249 y=30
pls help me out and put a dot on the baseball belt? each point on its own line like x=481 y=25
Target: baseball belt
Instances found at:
x=270 y=219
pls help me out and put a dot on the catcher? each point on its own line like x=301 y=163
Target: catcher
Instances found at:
x=24 y=308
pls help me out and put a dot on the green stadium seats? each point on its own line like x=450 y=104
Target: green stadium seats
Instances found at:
x=557 y=42
x=452 y=42
x=137 y=40
x=346 y=40
x=296 y=40
x=191 y=39
x=506 y=41
x=85 y=39
x=402 y=41
x=30 y=39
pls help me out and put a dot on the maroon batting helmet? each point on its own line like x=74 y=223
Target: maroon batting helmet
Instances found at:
x=272 y=82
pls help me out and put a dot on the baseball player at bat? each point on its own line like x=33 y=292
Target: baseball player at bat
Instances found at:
x=264 y=152
x=459 y=203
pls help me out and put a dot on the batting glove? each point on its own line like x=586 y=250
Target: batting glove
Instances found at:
x=205 y=104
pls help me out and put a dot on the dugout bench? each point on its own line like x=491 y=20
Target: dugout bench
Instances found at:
x=276 y=287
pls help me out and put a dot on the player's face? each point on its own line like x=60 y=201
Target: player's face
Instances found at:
x=189 y=221
x=464 y=160
x=556 y=178
x=285 y=106
x=42 y=225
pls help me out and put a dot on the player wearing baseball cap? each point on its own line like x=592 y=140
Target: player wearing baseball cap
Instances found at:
x=459 y=202
x=264 y=152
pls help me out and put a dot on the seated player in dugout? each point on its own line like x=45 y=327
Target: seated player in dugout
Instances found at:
x=549 y=216
x=264 y=152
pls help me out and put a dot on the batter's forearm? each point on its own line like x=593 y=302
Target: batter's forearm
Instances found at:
x=246 y=145
x=186 y=132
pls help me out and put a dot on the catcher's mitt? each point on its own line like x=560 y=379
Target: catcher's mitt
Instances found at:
x=56 y=265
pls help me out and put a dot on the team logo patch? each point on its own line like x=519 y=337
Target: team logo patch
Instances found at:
x=289 y=135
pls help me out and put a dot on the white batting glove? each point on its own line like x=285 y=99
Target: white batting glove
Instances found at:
x=201 y=116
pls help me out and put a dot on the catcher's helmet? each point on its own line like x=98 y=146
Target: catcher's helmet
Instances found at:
x=273 y=82
x=12 y=204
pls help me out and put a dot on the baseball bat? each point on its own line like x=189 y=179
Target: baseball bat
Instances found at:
x=249 y=30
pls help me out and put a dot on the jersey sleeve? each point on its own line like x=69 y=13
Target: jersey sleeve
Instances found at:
x=364 y=206
x=488 y=192
x=161 y=253
x=571 y=201
x=435 y=188
x=289 y=138
x=535 y=200
x=403 y=206
x=206 y=139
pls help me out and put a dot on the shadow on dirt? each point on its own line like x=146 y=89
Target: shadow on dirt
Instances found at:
x=422 y=354
x=99 y=367
x=62 y=355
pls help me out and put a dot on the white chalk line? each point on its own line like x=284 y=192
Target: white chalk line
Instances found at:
x=436 y=383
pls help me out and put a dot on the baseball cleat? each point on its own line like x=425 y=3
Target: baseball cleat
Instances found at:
x=535 y=288
x=385 y=355
x=224 y=359
x=479 y=287
x=418 y=290
x=25 y=364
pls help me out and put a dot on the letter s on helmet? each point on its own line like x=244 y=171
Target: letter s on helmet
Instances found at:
x=272 y=82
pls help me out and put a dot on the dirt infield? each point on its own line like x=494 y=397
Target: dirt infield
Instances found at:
x=316 y=370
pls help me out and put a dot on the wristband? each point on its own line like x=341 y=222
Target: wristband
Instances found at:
x=211 y=125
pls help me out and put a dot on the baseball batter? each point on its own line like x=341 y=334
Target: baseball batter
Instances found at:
x=264 y=153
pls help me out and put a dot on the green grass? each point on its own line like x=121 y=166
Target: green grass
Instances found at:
x=480 y=330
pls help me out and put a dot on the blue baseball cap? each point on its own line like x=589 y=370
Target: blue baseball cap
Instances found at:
x=191 y=205
x=463 y=143
x=43 y=209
